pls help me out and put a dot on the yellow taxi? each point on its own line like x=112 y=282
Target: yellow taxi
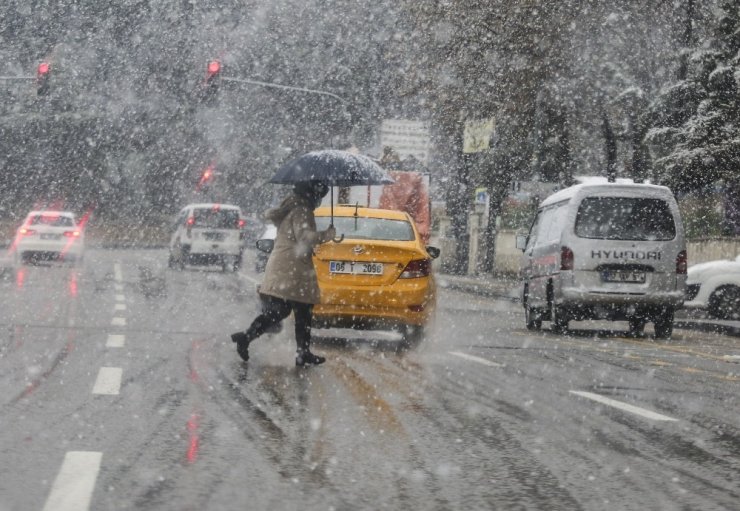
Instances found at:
x=379 y=276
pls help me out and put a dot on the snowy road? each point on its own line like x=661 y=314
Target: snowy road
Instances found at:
x=119 y=389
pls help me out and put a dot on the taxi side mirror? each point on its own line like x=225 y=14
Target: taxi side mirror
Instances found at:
x=265 y=245
x=521 y=241
x=433 y=252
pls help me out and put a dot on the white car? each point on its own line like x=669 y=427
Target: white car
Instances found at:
x=715 y=287
x=49 y=236
x=207 y=234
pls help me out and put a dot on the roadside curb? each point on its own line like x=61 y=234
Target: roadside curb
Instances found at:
x=481 y=287
x=715 y=328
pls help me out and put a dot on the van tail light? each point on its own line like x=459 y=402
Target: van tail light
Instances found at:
x=566 y=259
x=72 y=234
x=417 y=268
x=242 y=223
x=26 y=232
x=682 y=263
x=190 y=221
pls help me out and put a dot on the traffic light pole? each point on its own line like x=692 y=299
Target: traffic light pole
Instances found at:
x=286 y=87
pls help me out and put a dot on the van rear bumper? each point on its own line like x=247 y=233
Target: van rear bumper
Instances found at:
x=576 y=296
x=582 y=305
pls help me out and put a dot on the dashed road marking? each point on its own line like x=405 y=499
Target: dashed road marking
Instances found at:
x=120 y=307
x=648 y=414
x=120 y=298
x=118 y=287
x=108 y=381
x=117 y=272
x=476 y=359
x=73 y=487
x=116 y=340
x=118 y=321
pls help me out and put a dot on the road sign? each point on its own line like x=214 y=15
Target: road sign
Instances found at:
x=407 y=138
x=477 y=135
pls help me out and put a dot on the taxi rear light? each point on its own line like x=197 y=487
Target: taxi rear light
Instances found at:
x=416 y=308
x=417 y=268
x=72 y=234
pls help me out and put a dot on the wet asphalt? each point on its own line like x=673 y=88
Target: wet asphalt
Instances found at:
x=120 y=389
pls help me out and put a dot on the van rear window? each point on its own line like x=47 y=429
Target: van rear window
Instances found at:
x=625 y=218
x=216 y=218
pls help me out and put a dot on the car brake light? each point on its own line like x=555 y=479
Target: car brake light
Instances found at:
x=682 y=263
x=416 y=268
x=190 y=221
x=566 y=259
x=242 y=223
x=26 y=232
x=72 y=234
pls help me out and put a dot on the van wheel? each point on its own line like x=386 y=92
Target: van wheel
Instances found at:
x=725 y=303
x=533 y=318
x=664 y=324
x=637 y=326
x=558 y=319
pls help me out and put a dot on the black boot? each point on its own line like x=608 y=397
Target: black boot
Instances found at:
x=242 y=341
x=306 y=358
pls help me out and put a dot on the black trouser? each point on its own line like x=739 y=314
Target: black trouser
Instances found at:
x=274 y=310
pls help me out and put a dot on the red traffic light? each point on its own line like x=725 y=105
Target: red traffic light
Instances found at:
x=42 y=79
x=214 y=67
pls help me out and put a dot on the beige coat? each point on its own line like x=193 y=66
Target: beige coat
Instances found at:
x=290 y=273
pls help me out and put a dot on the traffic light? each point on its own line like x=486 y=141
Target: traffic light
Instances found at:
x=212 y=81
x=205 y=178
x=42 y=79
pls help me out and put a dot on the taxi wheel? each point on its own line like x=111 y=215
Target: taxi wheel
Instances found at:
x=412 y=336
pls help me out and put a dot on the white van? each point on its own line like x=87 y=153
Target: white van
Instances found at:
x=611 y=251
x=207 y=234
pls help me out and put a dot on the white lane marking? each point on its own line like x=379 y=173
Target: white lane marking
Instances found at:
x=120 y=307
x=250 y=279
x=118 y=321
x=118 y=287
x=731 y=357
x=120 y=298
x=116 y=341
x=476 y=359
x=108 y=381
x=117 y=272
x=623 y=406
x=73 y=487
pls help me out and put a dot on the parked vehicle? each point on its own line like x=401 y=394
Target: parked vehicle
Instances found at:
x=207 y=234
x=49 y=236
x=714 y=286
x=610 y=251
x=261 y=258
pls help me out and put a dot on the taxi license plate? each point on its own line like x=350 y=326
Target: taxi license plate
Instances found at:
x=355 y=268
x=623 y=276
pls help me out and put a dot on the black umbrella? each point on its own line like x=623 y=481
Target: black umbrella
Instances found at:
x=334 y=167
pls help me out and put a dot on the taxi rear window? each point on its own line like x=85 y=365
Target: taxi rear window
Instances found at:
x=625 y=218
x=369 y=228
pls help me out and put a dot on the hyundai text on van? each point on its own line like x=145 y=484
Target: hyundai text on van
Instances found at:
x=605 y=251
